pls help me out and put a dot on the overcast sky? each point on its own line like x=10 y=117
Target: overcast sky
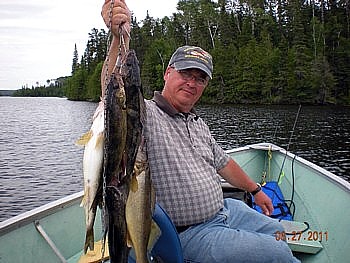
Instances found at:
x=37 y=37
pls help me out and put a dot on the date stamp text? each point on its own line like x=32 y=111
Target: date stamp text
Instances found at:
x=300 y=235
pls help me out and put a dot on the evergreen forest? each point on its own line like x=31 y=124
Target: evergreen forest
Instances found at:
x=264 y=52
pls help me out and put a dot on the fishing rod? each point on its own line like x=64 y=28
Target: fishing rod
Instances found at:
x=289 y=142
x=281 y=174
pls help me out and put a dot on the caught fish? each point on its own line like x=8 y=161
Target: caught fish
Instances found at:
x=136 y=112
x=114 y=171
x=141 y=199
x=129 y=197
x=142 y=231
x=93 y=141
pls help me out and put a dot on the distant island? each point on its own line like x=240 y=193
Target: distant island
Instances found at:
x=54 y=88
x=7 y=92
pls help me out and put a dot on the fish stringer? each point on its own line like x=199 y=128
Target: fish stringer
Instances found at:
x=116 y=72
x=104 y=215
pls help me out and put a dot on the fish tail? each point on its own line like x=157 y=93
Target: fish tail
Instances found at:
x=89 y=240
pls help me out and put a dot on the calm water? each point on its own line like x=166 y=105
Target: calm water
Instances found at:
x=39 y=161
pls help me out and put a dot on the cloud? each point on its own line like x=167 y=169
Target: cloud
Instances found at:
x=37 y=37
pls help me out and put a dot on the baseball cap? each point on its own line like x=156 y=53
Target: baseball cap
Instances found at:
x=192 y=57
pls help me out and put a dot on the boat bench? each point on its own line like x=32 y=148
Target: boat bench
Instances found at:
x=300 y=238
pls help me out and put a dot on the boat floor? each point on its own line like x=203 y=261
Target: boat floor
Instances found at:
x=94 y=256
x=295 y=234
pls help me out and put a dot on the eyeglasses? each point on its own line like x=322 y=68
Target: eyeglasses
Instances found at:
x=187 y=76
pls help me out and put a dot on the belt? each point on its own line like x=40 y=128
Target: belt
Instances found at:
x=181 y=229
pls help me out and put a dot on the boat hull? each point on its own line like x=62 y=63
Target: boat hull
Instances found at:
x=56 y=232
x=321 y=198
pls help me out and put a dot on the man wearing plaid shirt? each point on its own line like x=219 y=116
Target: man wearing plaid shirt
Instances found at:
x=186 y=164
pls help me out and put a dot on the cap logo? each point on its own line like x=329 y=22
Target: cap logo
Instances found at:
x=192 y=57
x=202 y=55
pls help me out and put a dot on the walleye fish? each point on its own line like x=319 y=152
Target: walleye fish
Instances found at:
x=139 y=210
x=114 y=152
x=136 y=112
x=130 y=201
x=114 y=170
x=141 y=199
x=93 y=141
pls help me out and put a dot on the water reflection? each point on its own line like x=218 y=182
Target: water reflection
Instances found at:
x=39 y=161
x=321 y=134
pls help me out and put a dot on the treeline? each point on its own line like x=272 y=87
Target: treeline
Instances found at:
x=54 y=88
x=277 y=51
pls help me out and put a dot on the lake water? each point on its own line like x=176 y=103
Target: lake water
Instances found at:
x=39 y=161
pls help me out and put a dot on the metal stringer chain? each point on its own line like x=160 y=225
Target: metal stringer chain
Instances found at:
x=117 y=66
x=122 y=47
x=104 y=183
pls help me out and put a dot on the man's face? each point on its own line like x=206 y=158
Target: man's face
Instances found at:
x=183 y=88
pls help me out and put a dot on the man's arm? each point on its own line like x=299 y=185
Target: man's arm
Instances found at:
x=234 y=175
x=119 y=20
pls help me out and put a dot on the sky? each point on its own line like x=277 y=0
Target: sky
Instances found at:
x=37 y=37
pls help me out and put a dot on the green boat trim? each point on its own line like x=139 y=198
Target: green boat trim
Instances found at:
x=55 y=232
x=321 y=198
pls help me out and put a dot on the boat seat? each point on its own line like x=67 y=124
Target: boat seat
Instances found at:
x=168 y=247
x=299 y=237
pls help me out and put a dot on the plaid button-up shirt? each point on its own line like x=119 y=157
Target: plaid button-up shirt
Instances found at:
x=184 y=159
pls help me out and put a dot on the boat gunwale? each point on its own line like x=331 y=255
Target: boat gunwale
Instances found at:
x=38 y=213
x=43 y=211
x=327 y=174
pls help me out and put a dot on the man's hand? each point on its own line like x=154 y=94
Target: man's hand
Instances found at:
x=118 y=18
x=262 y=200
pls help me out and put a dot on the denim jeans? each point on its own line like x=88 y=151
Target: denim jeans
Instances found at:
x=236 y=233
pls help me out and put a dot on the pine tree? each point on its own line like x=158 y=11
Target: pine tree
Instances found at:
x=75 y=64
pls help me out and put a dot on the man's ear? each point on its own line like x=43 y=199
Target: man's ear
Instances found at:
x=166 y=74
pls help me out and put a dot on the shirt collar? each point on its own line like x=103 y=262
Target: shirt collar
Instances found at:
x=165 y=106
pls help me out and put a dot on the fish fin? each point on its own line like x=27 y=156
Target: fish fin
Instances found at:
x=100 y=139
x=89 y=240
x=84 y=139
x=83 y=200
x=128 y=240
x=134 y=184
x=82 y=204
x=154 y=235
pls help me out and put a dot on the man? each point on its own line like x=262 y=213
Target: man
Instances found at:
x=185 y=163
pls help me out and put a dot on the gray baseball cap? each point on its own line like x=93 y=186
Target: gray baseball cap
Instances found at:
x=187 y=57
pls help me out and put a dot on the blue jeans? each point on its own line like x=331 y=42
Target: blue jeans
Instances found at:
x=236 y=233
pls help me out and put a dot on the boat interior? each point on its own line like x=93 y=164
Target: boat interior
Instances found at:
x=301 y=192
